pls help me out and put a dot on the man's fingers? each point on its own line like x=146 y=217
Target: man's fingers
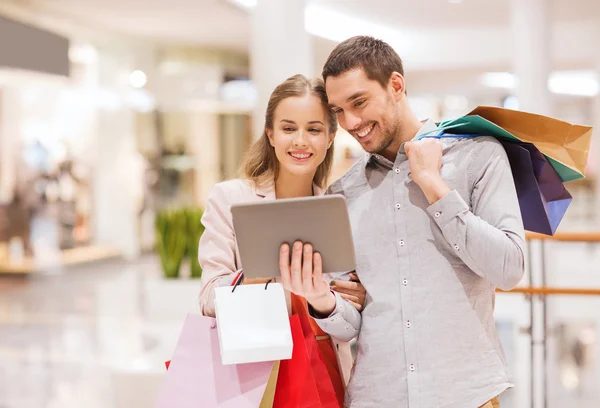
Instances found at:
x=347 y=285
x=348 y=292
x=353 y=303
x=350 y=297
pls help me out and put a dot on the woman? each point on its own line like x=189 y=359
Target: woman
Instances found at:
x=292 y=159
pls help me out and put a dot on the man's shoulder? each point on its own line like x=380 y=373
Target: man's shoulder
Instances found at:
x=350 y=177
x=472 y=150
x=479 y=143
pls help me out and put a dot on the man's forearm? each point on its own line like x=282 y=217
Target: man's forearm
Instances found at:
x=434 y=188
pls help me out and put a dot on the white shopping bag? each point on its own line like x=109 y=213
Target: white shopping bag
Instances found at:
x=253 y=324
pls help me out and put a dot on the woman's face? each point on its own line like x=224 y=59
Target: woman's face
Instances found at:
x=300 y=135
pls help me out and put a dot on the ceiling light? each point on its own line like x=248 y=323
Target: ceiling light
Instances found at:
x=576 y=83
x=247 y=4
x=334 y=26
x=138 y=79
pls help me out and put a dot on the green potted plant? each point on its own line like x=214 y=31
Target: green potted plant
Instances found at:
x=194 y=232
x=171 y=240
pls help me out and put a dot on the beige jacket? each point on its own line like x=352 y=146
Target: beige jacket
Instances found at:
x=218 y=253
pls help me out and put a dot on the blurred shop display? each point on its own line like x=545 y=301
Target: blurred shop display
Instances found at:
x=58 y=188
x=577 y=363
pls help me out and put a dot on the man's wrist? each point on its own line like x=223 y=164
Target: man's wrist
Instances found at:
x=434 y=188
x=323 y=305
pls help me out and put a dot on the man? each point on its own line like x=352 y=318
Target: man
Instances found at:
x=437 y=228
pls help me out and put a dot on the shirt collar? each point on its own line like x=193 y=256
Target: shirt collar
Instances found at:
x=429 y=127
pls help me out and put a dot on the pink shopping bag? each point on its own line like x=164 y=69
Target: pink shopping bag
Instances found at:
x=196 y=378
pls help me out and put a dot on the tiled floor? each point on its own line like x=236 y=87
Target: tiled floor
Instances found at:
x=97 y=336
x=86 y=337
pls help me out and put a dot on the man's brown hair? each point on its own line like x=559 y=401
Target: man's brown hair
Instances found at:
x=376 y=58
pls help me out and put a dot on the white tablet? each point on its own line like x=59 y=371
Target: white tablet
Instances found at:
x=261 y=227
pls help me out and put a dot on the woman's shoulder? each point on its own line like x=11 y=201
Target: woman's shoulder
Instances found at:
x=233 y=190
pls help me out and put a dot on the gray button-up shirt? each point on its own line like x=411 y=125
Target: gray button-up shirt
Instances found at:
x=427 y=336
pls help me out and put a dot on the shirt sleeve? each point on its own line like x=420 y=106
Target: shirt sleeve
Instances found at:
x=490 y=238
x=343 y=323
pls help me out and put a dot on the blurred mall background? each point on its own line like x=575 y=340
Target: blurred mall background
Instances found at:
x=114 y=111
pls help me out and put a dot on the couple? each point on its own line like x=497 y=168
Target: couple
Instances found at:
x=437 y=228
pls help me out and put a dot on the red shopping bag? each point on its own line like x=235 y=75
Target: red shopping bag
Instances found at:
x=304 y=381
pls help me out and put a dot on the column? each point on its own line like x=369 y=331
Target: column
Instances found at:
x=9 y=141
x=594 y=156
x=532 y=60
x=206 y=148
x=118 y=168
x=279 y=48
x=532 y=64
x=595 y=173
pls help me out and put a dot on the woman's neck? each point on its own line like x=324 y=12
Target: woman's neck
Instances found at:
x=290 y=186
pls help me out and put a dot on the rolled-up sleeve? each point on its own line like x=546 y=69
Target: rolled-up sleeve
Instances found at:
x=343 y=323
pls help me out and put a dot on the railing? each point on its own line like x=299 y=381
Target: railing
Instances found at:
x=542 y=291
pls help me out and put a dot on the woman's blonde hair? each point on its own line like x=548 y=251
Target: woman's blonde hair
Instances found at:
x=260 y=163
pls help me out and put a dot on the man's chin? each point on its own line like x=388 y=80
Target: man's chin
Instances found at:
x=371 y=147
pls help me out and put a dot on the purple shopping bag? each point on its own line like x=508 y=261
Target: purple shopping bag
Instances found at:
x=543 y=197
x=196 y=378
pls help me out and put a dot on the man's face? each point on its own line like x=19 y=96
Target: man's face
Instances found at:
x=365 y=109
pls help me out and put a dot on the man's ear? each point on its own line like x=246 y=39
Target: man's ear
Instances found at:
x=397 y=85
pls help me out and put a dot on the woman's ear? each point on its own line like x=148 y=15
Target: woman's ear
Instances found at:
x=269 y=133
x=331 y=139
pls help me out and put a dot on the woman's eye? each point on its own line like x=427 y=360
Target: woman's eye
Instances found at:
x=288 y=129
x=315 y=130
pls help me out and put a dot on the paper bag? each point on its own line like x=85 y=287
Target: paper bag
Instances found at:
x=542 y=196
x=304 y=381
x=253 y=323
x=196 y=377
x=269 y=395
x=565 y=145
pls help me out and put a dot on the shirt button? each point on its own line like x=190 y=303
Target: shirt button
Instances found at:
x=405 y=282
x=412 y=367
x=408 y=324
x=398 y=206
x=437 y=214
x=333 y=319
x=401 y=243
x=456 y=247
x=347 y=327
x=397 y=170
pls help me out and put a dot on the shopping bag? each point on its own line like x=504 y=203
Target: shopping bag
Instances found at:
x=565 y=145
x=303 y=380
x=542 y=196
x=269 y=395
x=253 y=323
x=196 y=377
